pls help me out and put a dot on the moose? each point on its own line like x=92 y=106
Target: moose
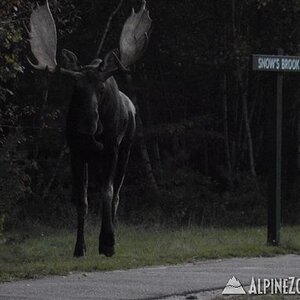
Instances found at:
x=100 y=123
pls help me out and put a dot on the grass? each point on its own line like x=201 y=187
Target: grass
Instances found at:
x=47 y=252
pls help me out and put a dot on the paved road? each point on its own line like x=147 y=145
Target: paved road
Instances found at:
x=152 y=283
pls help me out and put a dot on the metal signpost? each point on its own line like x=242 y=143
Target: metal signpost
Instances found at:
x=280 y=64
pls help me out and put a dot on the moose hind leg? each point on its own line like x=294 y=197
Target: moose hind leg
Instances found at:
x=120 y=175
x=79 y=197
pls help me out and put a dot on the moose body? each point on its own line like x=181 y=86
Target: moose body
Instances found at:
x=101 y=119
x=108 y=121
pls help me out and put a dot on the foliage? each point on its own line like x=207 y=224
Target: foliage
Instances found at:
x=10 y=40
x=2 y=218
x=22 y=120
x=14 y=180
x=187 y=197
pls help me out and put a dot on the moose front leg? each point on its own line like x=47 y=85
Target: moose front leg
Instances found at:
x=79 y=198
x=107 y=238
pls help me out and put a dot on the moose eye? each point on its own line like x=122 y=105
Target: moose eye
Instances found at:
x=100 y=88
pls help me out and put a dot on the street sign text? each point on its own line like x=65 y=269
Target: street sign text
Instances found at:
x=275 y=63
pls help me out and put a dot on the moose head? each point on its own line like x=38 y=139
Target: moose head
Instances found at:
x=101 y=119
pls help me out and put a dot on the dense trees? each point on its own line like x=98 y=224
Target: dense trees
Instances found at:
x=205 y=115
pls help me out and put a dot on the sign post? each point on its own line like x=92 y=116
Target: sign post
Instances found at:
x=279 y=64
x=274 y=220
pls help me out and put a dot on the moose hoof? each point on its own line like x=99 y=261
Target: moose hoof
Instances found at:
x=106 y=244
x=108 y=251
x=79 y=251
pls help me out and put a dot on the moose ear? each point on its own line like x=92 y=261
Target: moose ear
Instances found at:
x=109 y=60
x=95 y=63
x=70 y=60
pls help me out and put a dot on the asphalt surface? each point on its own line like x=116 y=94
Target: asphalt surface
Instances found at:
x=154 y=283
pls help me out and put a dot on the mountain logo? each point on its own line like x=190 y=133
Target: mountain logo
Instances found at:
x=233 y=287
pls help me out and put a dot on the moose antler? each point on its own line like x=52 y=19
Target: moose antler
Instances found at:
x=43 y=42
x=43 y=38
x=134 y=36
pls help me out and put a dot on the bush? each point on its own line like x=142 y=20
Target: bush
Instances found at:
x=14 y=180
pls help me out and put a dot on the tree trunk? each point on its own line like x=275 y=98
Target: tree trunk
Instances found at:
x=298 y=141
x=243 y=91
x=247 y=125
x=157 y=158
x=226 y=130
x=107 y=28
x=141 y=139
x=154 y=140
x=54 y=174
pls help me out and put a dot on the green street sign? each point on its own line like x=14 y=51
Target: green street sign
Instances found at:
x=275 y=63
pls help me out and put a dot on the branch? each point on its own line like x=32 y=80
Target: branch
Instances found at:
x=107 y=27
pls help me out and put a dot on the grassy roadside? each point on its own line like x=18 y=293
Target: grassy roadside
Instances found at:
x=48 y=252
